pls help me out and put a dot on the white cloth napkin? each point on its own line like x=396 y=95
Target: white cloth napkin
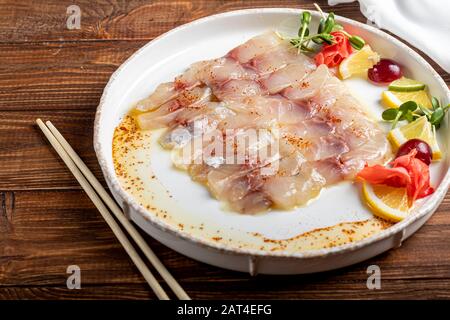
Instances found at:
x=423 y=23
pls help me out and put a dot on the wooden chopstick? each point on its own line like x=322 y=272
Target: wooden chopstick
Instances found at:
x=146 y=273
x=131 y=230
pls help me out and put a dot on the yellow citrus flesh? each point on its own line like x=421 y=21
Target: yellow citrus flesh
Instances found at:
x=386 y=202
x=358 y=62
x=393 y=99
x=418 y=129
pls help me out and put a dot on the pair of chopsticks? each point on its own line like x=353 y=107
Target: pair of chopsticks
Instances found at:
x=97 y=193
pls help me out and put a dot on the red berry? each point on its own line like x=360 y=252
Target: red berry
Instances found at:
x=424 y=152
x=385 y=71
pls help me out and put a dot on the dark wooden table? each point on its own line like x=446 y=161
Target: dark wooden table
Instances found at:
x=47 y=222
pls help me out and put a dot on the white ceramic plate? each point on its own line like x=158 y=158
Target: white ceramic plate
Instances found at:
x=181 y=213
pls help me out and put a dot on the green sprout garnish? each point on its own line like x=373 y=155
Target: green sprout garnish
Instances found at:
x=327 y=25
x=410 y=111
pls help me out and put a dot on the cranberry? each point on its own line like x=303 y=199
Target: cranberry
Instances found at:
x=424 y=152
x=385 y=71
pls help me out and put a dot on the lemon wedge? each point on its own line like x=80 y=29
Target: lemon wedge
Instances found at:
x=418 y=129
x=386 y=202
x=392 y=99
x=358 y=62
x=406 y=85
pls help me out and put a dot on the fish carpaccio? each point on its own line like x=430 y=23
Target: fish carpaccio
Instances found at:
x=312 y=129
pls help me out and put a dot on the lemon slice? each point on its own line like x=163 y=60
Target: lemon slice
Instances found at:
x=406 y=85
x=358 y=62
x=418 y=129
x=393 y=99
x=386 y=202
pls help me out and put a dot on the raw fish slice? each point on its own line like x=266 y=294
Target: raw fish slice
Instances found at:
x=364 y=141
x=233 y=181
x=167 y=112
x=289 y=165
x=221 y=182
x=199 y=172
x=214 y=110
x=371 y=151
x=277 y=58
x=367 y=143
x=212 y=72
x=332 y=170
x=255 y=47
x=214 y=151
x=163 y=93
x=287 y=192
x=240 y=187
x=289 y=76
x=250 y=146
x=160 y=118
x=308 y=87
x=328 y=147
x=238 y=90
x=279 y=108
x=319 y=148
x=315 y=138
x=188 y=154
x=310 y=128
x=247 y=121
x=175 y=137
x=252 y=203
x=332 y=90
x=343 y=112
x=273 y=108
x=203 y=141
x=193 y=121
x=179 y=135
x=215 y=72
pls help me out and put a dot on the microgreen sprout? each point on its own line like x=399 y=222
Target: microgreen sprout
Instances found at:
x=327 y=25
x=410 y=111
x=438 y=113
x=404 y=112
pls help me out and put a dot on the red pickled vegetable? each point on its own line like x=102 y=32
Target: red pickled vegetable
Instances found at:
x=419 y=173
x=332 y=54
x=406 y=171
x=377 y=174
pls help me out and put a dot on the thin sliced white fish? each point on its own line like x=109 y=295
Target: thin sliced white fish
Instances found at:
x=263 y=127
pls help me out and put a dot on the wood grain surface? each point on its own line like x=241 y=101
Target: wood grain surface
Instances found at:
x=47 y=222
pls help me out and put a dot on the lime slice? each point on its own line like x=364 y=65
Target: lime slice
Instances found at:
x=406 y=85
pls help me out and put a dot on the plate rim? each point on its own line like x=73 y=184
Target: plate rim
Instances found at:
x=429 y=207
